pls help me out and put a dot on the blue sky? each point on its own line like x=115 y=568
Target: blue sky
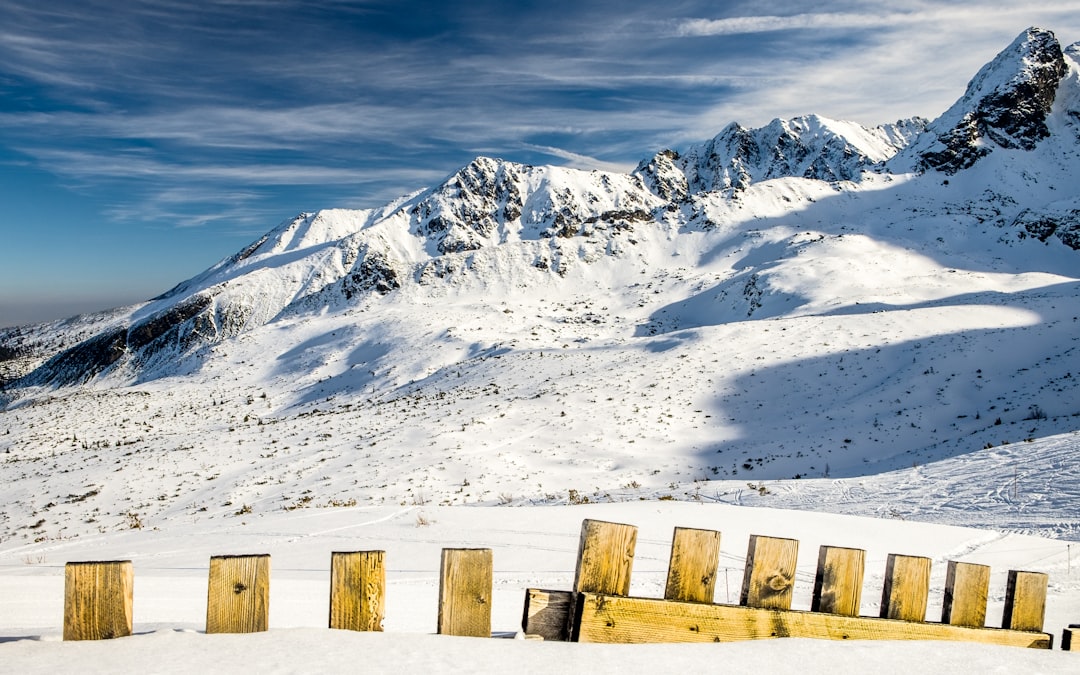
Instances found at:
x=142 y=141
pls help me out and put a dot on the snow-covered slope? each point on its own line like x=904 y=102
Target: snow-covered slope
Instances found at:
x=813 y=301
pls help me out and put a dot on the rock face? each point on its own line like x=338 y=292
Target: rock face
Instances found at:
x=1063 y=223
x=1006 y=105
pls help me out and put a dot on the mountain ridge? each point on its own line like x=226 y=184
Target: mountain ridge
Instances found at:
x=317 y=259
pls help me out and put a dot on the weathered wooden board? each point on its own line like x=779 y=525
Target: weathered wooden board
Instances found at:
x=465 y=586
x=695 y=556
x=605 y=618
x=547 y=614
x=770 y=572
x=98 y=599
x=1025 y=601
x=357 y=590
x=967 y=586
x=238 y=594
x=907 y=588
x=605 y=557
x=839 y=579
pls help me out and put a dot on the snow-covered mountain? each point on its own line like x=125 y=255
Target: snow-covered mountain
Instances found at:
x=813 y=299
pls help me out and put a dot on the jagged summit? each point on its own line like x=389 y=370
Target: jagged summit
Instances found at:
x=1006 y=105
x=808 y=147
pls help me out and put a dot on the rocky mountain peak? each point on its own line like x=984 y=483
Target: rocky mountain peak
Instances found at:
x=1005 y=105
x=809 y=146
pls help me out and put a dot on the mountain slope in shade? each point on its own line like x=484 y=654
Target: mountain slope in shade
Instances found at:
x=807 y=302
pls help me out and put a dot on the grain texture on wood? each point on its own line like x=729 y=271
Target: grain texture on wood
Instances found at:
x=465 y=585
x=907 y=588
x=605 y=557
x=967 y=586
x=605 y=618
x=98 y=599
x=1025 y=601
x=695 y=555
x=547 y=614
x=238 y=594
x=357 y=590
x=770 y=572
x=839 y=579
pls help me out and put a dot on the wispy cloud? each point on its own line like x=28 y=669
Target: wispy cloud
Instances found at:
x=578 y=161
x=742 y=25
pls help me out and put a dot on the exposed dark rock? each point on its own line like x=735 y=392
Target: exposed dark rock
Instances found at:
x=1005 y=105
x=374 y=272
x=83 y=361
x=161 y=324
x=1065 y=224
x=663 y=177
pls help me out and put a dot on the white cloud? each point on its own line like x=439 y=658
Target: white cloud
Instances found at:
x=761 y=24
x=579 y=161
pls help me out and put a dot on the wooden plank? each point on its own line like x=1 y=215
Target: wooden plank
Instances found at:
x=839 y=580
x=1025 y=601
x=465 y=585
x=547 y=614
x=98 y=599
x=605 y=557
x=1070 y=638
x=907 y=588
x=695 y=556
x=606 y=618
x=770 y=572
x=357 y=590
x=238 y=594
x=967 y=586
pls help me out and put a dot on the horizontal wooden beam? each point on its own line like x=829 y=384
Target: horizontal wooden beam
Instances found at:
x=606 y=618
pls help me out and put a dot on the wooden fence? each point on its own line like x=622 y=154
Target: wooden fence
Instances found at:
x=598 y=609
x=98 y=596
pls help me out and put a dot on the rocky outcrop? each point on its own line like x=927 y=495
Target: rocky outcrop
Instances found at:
x=663 y=177
x=465 y=212
x=1006 y=105
x=1042 y=224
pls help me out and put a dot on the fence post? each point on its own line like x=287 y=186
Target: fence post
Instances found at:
x=238 y=594
x=604 y=563
x=967 y=586
x=465 y=586
x=770 y=572
x=98 y=600
x=605 y=558
x=357 y=590
x=838 y=581
x=907 y=588
x=1025 y=601
x=695 y=556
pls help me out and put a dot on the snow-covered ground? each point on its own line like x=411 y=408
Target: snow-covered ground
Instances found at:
x=532 y=547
